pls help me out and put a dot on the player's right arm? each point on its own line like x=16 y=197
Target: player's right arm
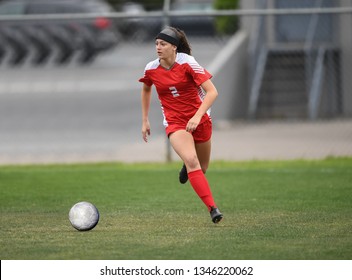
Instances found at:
x=145 y=98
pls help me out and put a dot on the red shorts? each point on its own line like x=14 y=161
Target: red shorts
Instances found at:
x=200 y=135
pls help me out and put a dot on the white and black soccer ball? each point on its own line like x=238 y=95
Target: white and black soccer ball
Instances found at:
x=83 y=216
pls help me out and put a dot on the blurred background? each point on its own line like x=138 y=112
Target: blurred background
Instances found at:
x=69 y=71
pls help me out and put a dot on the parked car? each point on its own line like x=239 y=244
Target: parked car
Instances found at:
x=15 y=42
x=144 y=28
x=66 y=36
x=195 y=25
x=137 y=28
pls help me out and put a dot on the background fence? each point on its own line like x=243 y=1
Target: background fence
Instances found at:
x=283 y=78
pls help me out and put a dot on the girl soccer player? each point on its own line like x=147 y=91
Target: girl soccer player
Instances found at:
x=186 y=94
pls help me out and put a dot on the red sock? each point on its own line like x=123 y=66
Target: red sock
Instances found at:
x=201 y=186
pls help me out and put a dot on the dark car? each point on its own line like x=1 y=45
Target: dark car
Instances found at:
x=146 y=28
x=63 y=36
x=194 y=25
x=138 y=29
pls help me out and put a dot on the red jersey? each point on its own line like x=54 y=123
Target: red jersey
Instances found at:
x=178 y=88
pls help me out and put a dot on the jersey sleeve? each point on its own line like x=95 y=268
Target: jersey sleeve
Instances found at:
x=145 y=79
x=198 y=73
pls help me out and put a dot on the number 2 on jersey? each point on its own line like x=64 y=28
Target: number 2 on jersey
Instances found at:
x=174 y=91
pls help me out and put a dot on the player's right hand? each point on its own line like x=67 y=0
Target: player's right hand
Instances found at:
x=145 y=131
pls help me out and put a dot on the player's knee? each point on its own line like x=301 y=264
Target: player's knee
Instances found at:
x=192 y=163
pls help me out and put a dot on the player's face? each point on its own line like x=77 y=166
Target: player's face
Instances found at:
x=164 y=49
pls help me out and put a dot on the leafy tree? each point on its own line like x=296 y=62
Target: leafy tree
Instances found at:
x=227 y=24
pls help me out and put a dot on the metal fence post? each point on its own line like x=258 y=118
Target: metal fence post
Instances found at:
x=166 y=10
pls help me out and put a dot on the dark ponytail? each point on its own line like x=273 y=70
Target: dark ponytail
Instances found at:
x=183 y=46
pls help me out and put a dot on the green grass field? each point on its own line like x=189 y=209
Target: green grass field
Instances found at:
x=273 y=210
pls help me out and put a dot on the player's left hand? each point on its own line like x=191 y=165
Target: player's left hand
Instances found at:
x=193 y=123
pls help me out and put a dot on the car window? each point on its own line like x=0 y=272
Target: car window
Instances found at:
x=98 y=7
x=66 y=9
x=54 y=8
x=12 y=9
x=192 y=7
x=40 y=8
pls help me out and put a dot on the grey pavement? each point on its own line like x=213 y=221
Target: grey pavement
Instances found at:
x=238 y=141
x=242 y=141
x=283 y=140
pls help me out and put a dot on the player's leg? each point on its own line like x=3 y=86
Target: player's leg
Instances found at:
x=203 y=153
x=202 y=138
x=183 y=144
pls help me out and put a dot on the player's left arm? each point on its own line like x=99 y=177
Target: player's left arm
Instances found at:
x=211 y=95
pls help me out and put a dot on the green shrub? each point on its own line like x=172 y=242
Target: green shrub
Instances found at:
x=226 y=24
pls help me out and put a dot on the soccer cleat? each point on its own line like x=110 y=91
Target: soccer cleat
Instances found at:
x=215 y=215
x=183 y=175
